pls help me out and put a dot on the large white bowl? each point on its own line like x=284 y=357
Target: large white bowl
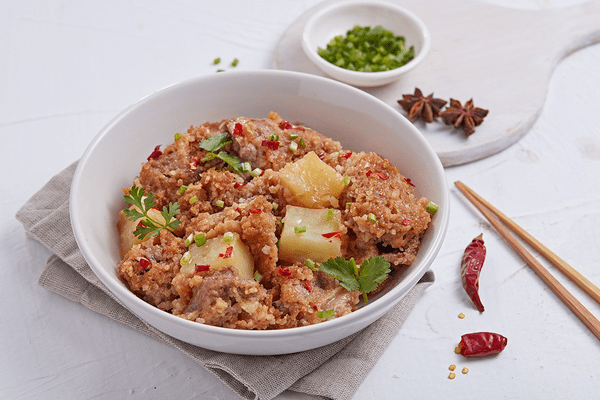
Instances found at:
x=358 y=120
x=338 y=18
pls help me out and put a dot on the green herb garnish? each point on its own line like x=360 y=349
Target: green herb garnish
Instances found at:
x=372 y=272
x=217 y=60
x=143 y=203
x=215 y=142
x=326 y=314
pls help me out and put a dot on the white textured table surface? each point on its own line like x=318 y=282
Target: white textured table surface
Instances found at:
x=66 y=68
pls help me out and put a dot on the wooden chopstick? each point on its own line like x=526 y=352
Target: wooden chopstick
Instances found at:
x=570 y=301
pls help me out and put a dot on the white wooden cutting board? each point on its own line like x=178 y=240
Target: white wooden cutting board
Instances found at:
x=502 y=58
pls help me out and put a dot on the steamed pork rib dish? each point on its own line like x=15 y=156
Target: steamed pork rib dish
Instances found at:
x=263 y=224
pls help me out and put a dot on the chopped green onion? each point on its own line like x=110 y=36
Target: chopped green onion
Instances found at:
x=274 y=137
x=235 y=62
x=257 y=276
x=300 y=229
x=256 y=172
x=194 y=200
x=346 y=180
x=293 y=136
x=431 y=207
x=275 y=206
x=309 y=263
x=349 y=204
x=220 y=203
x=200 y=239
x=217 y=60
x=326 y=314
x=189 y=239
x=302 y=144
x=220 y=70
x=177 y=136
x=182 y=189
x=245 y=166
x=329 y=214
x=186 y=258
x=371 y=217
x=228 y=237
x=293 y=147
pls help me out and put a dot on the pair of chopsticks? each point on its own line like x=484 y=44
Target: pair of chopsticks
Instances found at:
x=494 y=216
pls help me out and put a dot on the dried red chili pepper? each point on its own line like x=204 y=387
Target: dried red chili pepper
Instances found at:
x=472 y=262
x=479 y=344
x=155 y=153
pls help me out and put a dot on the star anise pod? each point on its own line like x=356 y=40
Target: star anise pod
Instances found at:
x=468 y=116
x=417 y=104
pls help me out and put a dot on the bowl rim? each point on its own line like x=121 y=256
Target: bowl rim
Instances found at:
x=371 y=76
x=116 y=287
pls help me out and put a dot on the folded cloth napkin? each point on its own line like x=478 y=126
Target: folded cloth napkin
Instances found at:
x=333 y=372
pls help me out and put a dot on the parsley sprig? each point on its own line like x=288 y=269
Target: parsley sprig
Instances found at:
x=143 y=203
x=365 y=279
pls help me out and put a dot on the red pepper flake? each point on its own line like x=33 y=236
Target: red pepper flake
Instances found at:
x=382 y=176
x=238 y=185
x=145 y=264
x=284 y=271
x=369 y=173
x=163 y=251
x=285 y=125
x=479 y=344
x=308 y=286
x=332 y=234
x=255 y=211
x=227 y=253
x=202 y=268
x=299 y=128
x=321 y=156
x=141 y=224
x=194 y=162
x=406 y=221
x=237 y=130
x=155 y=153
x=409 y=182
x=347 y=155
x=239 y=210
x=316 y=308
x=271 y=144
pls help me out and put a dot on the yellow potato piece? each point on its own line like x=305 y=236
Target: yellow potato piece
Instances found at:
x=214 y=253
x=311 y=243
x=313 y=183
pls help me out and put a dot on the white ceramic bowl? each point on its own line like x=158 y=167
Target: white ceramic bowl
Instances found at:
x=338 y=18
x=358 y=120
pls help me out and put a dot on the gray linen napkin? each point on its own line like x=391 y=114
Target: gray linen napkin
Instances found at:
x=332 y=372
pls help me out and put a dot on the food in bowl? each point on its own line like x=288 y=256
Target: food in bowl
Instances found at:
x=367 y=49
x=254 y=223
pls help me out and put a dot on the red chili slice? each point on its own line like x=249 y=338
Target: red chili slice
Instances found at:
x=227 y=253
x=144 y=263
x=237 y=130
x=271 y=144
x=285 y=125
x=321 y=156
x=347 y=155
x=406 y=221
x=308 y=286
x=255 y=211
x=238 y=185
x=155 y=153
x=409 y=182
x=284 y=272
x=383 y=176
x=369 y=173
x=141 y=224
x=202 y=268
x=332 y=234
x=194 y=162
x=299 y=128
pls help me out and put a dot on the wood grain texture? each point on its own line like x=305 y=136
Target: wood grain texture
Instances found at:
x=502 y=58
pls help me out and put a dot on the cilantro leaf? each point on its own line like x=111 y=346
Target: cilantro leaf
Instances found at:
x=215 y=142
x=142 y=204
x=372 y=272
x=342 y=270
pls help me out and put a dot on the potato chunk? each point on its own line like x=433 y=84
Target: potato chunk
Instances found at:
x=126 y=228
x=313 y=183
x=295 y=245
x=218 y=253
